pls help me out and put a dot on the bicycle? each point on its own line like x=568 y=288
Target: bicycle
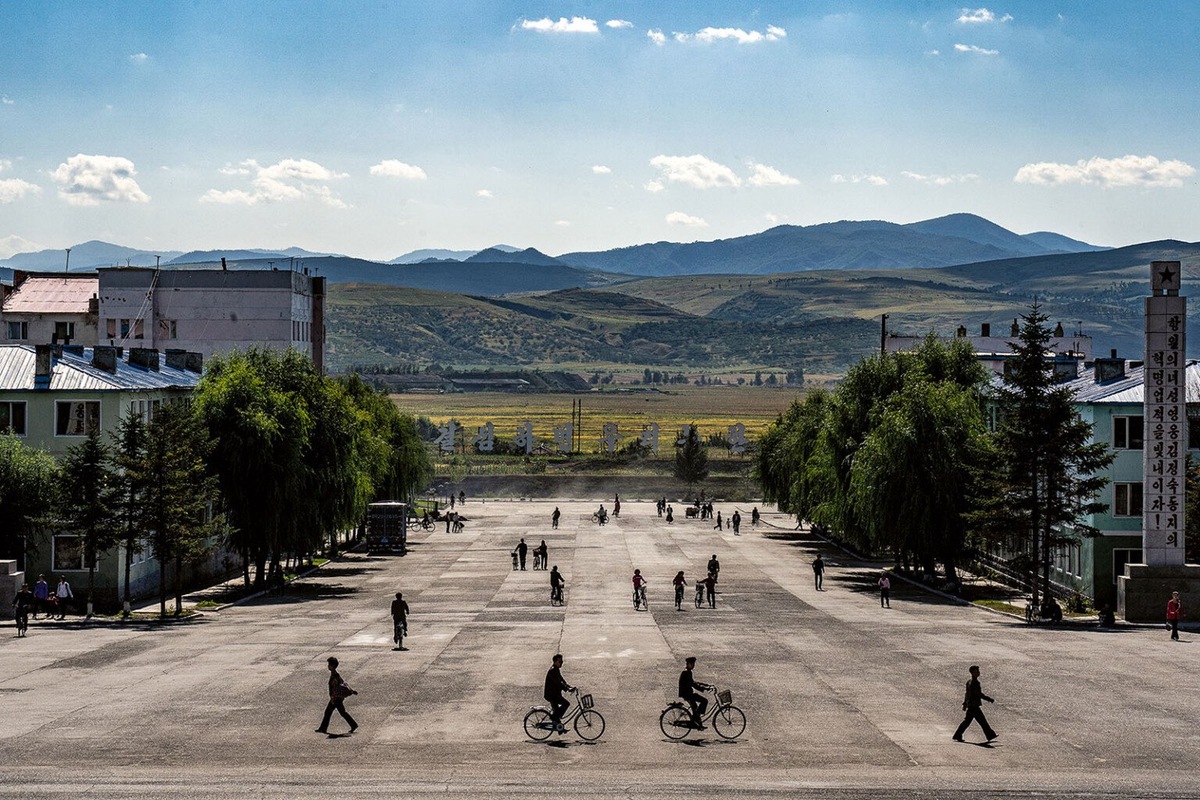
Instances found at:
x=587 y=721
x=22 y=621
x=726 y=719
x=678 y=597
x=399 y=629
x=426 y=523
x=639 y=598
x=600 y=520
x=699 y=594
x=558 y=596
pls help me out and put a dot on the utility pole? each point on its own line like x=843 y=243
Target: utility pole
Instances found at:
x=883 y=334
x=67 y=267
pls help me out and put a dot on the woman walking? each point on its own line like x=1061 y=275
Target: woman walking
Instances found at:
x=1174 y=612
x=339 y=690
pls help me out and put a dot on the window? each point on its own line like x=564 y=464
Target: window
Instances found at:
x=76 y=418
x=167 y=329
x=64 y=331
x=110 y=326
x=138 y=329
x=68 y=554
x=12 y=418
x=1128 y=433
x=18 y=331
x=1127 y=500
x=124 y=329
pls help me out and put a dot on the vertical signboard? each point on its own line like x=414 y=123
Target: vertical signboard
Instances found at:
x=1165 y=412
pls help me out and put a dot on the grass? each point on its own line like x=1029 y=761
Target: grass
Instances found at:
x=1001 y=605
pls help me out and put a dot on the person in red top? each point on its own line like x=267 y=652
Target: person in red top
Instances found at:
x=1174 y=612
x=639 y=589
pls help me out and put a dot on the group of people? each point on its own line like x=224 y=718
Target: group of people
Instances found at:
x=706 y=589
x=521 y=552
x=41 y=600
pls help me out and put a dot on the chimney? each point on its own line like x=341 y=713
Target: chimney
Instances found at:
x=961 y=332
x=223 y=264
x=105 y=358
x=43 y=361
x=985 y=330
x=1058 y=330
x=1108 y=369
x=182 y=359
x=144 y=357
x=1015 y=330
x=73 y=349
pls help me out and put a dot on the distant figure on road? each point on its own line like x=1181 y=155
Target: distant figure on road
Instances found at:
x=522 y=551
x=670 y=515
x=714 y=566
x=399 y=619
x=972 y=704
x=553 y=689
x=736 y=520
x=818 y=566
x=690 y=692
x=718 y=525
x=451 y=500
x=1174 y=613
x=64 y=593
x=556 y=586
x=885 y=591
x=339 y=690
x=679 y=582
x=754 y=517
x=555 y=517
x=449 y=519
x=539 y=555
x=462 y=498
x=41 y=596
x=617 y=505
x=661 y=506
x=710 y=589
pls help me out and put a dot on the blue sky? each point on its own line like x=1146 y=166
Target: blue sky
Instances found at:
x=377 y=128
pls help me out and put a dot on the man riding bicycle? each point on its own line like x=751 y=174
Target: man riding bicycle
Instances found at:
x=639 y=589
x=22 y=604
x=679 y=582
x=556 y=585
x=552 y=692
x=399 y=618
x=689 y=692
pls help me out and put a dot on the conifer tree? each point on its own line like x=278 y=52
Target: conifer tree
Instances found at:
x=84 y=503
x=691 y=462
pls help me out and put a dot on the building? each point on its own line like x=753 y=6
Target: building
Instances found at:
x=207 y=311
x=46 y=309
x=1070 y=351
x=1111 y=399
x=51 y=398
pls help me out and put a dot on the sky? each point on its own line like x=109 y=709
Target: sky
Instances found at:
x=377 y=128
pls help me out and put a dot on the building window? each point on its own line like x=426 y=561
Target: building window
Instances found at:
x=68 y=554
x=167 y=329
x=110 y=326
x=64 y=331
x=138 y=329
x=124 y=329
x=1128 y=433
x=18 y=331
x=1127 y=499
x=76 y=417
x=12 y=418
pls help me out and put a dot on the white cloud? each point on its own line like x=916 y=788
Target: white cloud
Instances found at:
x=13 y=189
x=563 y=25
x=873 y=180
x=88 y=180
x=1146 y=171
x=654 y=187
x=933 y=52
x=696 y=171
x=289 y=179
x=8 y=101
x=970 y=48
x=391 y=168
x=976 y=16
x=618 y=23
x=600 y=169
x=710 y=35
x=774 y=219
x=13 y=244
x=562 y=223
x=940 y=180
x=656 y=36
x=484 y=193
x=769 y=176
x=139 y=58
x=686 y=220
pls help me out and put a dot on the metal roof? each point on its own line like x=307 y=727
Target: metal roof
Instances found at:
x=51 y=294
x=1130 y=389
x=74 y=372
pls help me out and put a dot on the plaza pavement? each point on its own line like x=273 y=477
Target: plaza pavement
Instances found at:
x=844 y=699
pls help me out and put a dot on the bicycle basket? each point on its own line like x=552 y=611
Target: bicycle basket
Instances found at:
x=725 y=697
x=585 y=701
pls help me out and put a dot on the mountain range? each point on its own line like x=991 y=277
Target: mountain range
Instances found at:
x=945 y=241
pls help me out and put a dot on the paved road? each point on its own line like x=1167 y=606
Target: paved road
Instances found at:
x=844 y=699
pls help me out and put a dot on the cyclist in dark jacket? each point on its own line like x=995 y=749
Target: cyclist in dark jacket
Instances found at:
x=689 y=691
x=555 y=686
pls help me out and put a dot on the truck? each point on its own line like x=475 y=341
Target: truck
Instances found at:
x=387 y=528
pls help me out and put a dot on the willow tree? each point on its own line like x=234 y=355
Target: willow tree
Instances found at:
x=27 y=481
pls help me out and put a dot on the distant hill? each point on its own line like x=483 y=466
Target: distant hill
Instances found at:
x=86 y=256
x=954 y=239
x=205 y=256
x=476 y=278
x=417 y=256
x=528 y=256
x=1056 y=242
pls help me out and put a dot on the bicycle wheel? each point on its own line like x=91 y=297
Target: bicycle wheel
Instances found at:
x=398 y=636
x=538 y=725
x=589 y=725
x=675 y=721
x=729 y=722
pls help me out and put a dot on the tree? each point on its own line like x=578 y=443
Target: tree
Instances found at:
x=85 y=502
x=691 y=461
x=180 y=493
x=27 y=481
x=1045 y=480
x=129 y=487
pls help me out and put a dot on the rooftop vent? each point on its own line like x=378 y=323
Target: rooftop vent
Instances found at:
x=105 y=358
x=182 y=359
x=144 y=357
x=1108 y=369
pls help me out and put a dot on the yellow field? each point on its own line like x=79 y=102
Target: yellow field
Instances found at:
x=712 y=408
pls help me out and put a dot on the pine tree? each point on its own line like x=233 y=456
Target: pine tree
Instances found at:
x=128 y=484
x=691 y=461
x=84 y=503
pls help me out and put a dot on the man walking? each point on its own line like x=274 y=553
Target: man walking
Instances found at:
x=399 y=620
x=818 y=566
x=972 y=704
x=522 y=551
x=339 y=690
x=41 y=596
x=554 y=519
x=1174 y=612
x=63 y=593
x=552 y=692
x=736 y=519
x=718 y=525
x=885 y=591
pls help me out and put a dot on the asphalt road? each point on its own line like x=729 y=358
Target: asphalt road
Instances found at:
x=844 y=699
